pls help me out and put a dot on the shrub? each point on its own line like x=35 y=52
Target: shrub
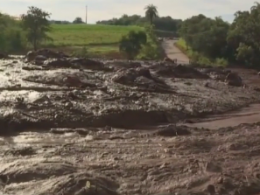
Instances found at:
x=131 y=43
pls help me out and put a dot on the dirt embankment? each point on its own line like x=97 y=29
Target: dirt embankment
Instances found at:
x=79 y=127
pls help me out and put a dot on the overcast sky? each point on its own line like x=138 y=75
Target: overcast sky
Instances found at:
x=107 y=9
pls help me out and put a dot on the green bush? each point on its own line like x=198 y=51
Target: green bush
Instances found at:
x=131 y=43
x=12 y=38
x=152 y=49
x=149 y=51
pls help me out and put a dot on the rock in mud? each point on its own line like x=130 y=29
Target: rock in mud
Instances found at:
x=234 y=79
x=39 y=60
x=57 y=63
x=129 y=76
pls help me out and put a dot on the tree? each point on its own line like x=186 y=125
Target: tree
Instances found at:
x=205 y=35
x=244 y=36
x=161 y=23
x=151 y=12
x=78 y=20
x=131 y=43
x=36 y=24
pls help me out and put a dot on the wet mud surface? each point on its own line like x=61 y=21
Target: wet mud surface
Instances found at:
x=76 y=126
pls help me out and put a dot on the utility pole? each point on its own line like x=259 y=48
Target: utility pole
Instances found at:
x=86 y=14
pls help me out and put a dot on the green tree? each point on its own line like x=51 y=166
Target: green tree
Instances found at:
x=36 y=24
x=244 y=36
x=151 y=12
x=131 y=43
x=78 y=20
x=11 y=35
x=161 y=23
x=205 y=35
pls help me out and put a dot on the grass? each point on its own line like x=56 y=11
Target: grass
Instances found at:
x=97 y=38
x=82 y=34
x=198 y=58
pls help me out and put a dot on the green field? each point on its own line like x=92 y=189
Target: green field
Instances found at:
x=97 y=38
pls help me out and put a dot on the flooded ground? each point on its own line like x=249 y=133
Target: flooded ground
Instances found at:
x=77 y=127
x=249 y=114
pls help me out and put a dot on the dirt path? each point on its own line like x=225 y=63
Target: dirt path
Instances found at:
x=173 y=52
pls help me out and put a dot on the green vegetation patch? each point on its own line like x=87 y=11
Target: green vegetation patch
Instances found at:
x=198 y=58
x=86 y=35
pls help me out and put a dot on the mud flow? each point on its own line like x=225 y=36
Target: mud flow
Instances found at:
x=85 y=126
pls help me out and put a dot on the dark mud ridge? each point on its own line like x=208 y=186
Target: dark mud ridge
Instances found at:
x=86 y=126
x=44 y=92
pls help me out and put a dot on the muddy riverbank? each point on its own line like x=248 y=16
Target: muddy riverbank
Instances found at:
x=76 y=126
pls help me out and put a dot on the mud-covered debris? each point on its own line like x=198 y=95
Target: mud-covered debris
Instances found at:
x=128 y=76
x=58 y=63
x=116 y=65
x=179 y=71
x=23 y=170
x=125 y=76
x=188 y=72
x=213 y=167
x=234 y=79
x=40 y=58
x=84 y=63
x=31 y=55
x=79 y=184
x=72 y=81
x=142 y=78
x=32 y=67
x=23 y=151
x=3 y=56
x=172 y=130
x=216 y=73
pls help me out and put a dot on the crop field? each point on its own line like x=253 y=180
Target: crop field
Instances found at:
x=97 y=38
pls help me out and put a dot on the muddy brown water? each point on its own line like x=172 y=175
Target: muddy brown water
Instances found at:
x=112 y=155
x=250 y=114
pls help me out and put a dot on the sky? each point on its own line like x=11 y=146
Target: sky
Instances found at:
x=107 y=9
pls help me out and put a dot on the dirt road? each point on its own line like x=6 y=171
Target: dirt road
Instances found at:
x=79 y=127
x=173 y=52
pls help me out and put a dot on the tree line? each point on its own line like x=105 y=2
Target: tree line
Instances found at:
x=166 y=23
x=15 y=36
x=237 y=42
x=34 y=26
